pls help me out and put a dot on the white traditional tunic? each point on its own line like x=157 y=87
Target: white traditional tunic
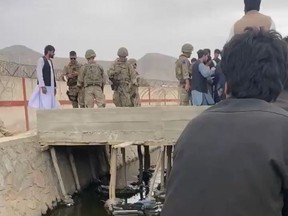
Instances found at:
x=38 y=100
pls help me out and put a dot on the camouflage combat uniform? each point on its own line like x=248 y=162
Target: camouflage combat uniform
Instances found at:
x=183 y=73
x=135 y=96
x=123 y=78
x=92 y=79
x=75 y=94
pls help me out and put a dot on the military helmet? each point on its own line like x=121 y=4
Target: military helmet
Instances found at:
x=132 y=61
x=90 y=54
x=187 y=48
x=122 y=52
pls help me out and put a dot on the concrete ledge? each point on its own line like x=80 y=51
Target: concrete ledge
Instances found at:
x=115 y=125
x=29 y=136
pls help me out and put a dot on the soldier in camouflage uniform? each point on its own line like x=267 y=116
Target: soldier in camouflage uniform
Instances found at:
x=135 y=97
x=70 y=74
x=183 y=72
x=123 y=78
x=92 y=79
x=3 y=131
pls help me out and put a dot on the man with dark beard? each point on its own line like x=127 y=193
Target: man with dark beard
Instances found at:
x=199 y=82
x=43 y=96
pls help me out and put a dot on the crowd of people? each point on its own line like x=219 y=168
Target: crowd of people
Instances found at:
x=86 y=82
x=201 y=81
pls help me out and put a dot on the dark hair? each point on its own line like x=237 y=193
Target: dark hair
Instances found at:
x=72 y=53
x=255 y=64
x=193 y=60
x=252 y=5
x=217 y=51
x=286 y=83
x=201 y=53
x=208 y=51
x=48 y=48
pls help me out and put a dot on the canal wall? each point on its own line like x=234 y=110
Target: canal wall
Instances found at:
x=28 y=181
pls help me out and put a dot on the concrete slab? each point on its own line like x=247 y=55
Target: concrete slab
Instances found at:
x=114 y=125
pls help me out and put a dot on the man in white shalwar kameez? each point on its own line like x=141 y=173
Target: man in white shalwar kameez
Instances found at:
x=44 y=95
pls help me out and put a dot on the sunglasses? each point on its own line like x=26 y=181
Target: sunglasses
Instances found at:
x=72 y=58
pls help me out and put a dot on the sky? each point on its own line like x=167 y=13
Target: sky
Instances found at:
x=143 y=26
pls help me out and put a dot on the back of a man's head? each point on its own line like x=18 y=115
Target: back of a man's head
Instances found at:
x=208 y=51
x=202 y=53
x=255 y=64
x=252 y=5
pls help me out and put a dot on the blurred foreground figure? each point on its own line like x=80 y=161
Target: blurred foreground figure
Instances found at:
x=282 y=100
x=252 y=18
x=244 y=170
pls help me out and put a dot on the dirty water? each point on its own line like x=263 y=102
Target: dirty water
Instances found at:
x=90 y=203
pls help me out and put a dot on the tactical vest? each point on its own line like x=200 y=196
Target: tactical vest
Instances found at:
x=73 y=68
x=252 y=19
x=198 y=82
x=122 y=72
x=93 y=75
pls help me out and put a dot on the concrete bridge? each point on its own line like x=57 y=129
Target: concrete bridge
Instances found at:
x=117 y=128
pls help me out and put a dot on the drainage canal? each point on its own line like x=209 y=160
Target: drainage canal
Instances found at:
x=92 y=200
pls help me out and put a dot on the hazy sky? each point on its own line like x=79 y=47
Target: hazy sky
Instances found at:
x=143 y=26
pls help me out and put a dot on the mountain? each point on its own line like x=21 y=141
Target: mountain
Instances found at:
x=157 y=66
x=152 y=66
x=19 y=54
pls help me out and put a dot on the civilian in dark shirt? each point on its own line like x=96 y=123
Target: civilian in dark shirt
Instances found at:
x=244 y=171
x=216 y=58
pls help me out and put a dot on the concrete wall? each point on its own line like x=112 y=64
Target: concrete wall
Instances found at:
x=12 y=104
x=28 y=185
